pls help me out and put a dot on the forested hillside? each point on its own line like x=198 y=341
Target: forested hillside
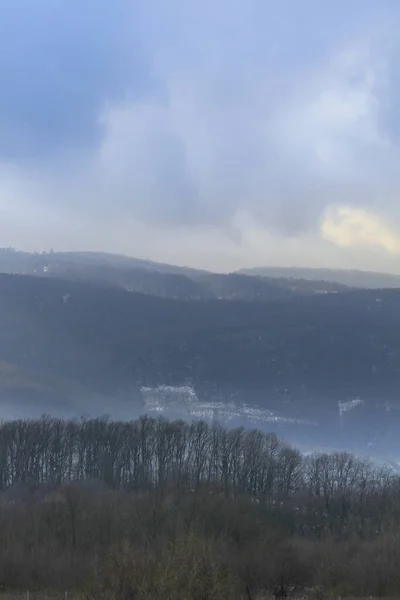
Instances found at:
x=63 y=344
x=332 y=343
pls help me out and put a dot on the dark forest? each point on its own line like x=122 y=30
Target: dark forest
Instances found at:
x=154 y=509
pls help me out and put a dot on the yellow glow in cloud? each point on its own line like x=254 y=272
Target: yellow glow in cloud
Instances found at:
x=346 y=226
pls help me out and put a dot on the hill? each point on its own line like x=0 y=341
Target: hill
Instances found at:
x=297 y=357
x=157 y=279
x=351 y=278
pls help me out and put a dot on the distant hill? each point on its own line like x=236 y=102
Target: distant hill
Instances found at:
x=25 y=263
x=104 y=336
x=351 y=278
x=167 y=281
x=68 y=343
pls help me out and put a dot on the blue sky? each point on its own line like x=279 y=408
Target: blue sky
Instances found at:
x=214 y=134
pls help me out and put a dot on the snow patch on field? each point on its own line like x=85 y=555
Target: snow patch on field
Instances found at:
x=183 y=401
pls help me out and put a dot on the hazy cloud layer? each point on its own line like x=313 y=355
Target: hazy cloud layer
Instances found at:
x=218 y=134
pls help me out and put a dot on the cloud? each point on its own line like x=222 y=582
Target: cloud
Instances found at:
x=346 y=226
x=61 y=62
x=226 y=131
x=201 y=157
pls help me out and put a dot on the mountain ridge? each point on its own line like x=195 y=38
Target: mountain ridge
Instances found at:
x=119 y=269
x=137 y=275
x=348 y=277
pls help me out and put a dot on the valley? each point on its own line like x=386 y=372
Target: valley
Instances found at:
x=320 y=369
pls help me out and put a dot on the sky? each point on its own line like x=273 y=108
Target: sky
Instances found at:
x=219 y=135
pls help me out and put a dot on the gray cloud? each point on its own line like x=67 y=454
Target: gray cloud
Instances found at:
x=60 y=63
x=180 y=120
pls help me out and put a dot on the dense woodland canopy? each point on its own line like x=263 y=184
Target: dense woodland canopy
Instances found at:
x=153 y=509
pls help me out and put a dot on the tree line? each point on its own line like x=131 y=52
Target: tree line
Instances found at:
x=153 y=509
x=150 y=453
